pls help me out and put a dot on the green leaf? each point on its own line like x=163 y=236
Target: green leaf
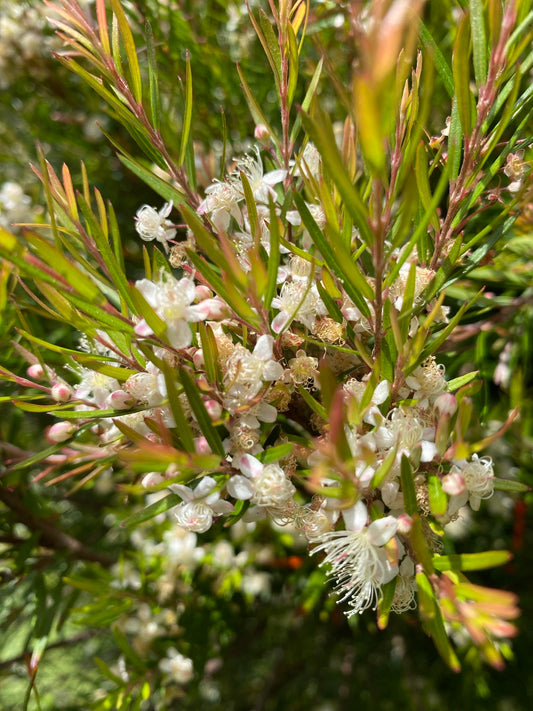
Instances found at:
x=270 y=44
x=408 y=487
x=274 y=454
x=116 y=272
x=155 y=101
x=183 y=428
x=420 y=546
x=422 y=181
x=131 y=54
x=306 y=103
x=384 y=468
x=210 y=353
x=471 y=561
x=187 y=115
x=131 y=655
x=293 y=64
x=461 y=75
x=202 y=416
x=274 y=257
x=75 y=278
x=385 y=602
x=440 y=61
x=511 y=486
x=438 y=500
x=106 y=671
x=158 y=507
x=163 y=188
x=257 y=114
x=479 y=41
x=321 y=133
x=462 y=380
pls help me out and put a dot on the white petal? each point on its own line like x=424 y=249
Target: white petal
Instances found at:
x=382 y=530
x=223 y=507
x=355 y=517
x=185 y=492
x=207 y=483
x=179 y=334
x=263 y=347
x=429 y=451
x=249 y=466
x=274 y=177
x=143 y=329
x=266 y=412
x=149 y=290
x=272 y=371
x=240 y=487
x=381 y=393
x=280 y=321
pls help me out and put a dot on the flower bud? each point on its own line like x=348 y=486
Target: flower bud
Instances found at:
x=198 y=359
x=453 y=484
x=405 y=523
x=151 y=479
x=201 y=445
x=120 y=400
x=446 y=404
x=213 y=408
x=60 y=432
x=61 y=392
x=35 y=371
x=203 y=292
x=261 y=133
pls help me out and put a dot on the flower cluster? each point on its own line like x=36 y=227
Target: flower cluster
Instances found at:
x=359 y=517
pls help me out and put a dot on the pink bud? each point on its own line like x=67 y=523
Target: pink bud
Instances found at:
x=203 y=292
x=202 y=446
x=446 y=404
x=151 y=479
x=214 y=409
x=213 y=309
x=198 y=359
x=60 y=432
x=61 y=392
x=261 y=133
x=120 y=400
x=405 y=523
x=453 y=484
x=35 y=371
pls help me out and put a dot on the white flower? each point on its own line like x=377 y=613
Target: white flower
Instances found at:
x=266 y=485
x=427 y=381
x=172 y=301
x=260 y=182
x=177 y=667
x=196 y=511
x=358 y=562
x=478 y=475
x=300 y=301
x=221 y=204
x=247 y=372
x=181 y=548
x=151 y=224
x=404 y=593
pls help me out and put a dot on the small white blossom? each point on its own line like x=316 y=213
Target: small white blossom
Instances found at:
x=151 y=224
x=172 y=301
x=266 y=485
x=300 y=301
x=247 y=372
x=357 y=559
x=196 y=511
x=177 y=667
